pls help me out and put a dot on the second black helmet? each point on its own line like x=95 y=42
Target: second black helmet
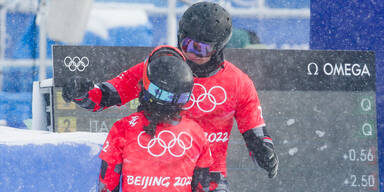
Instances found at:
x=206 y=22
x=167 y=78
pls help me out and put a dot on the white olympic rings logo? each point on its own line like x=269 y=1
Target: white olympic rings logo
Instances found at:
x=204 y=95
x=169 y=146
x=76 y=63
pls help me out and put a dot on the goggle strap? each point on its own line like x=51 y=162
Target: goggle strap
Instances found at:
x=166 y=52
x=170 y=49
x=146 y=81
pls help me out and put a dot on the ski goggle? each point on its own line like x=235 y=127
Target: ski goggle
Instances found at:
x=166 y=96
x=200 y=49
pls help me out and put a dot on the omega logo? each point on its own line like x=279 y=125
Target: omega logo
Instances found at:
x=338 y=69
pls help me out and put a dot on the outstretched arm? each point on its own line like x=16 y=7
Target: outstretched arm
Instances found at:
x=92 y=97
x=97 y=97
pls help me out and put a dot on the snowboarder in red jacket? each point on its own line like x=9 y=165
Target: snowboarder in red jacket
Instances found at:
x=157 y=149
x=221 y=91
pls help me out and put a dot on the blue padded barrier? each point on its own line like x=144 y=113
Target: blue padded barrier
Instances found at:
x=16 y=94
x=15 y=108
x=20 y=79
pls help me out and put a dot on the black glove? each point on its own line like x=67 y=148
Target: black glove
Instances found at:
x=266 y=158
x=76 y=87
x=222 y=186
x=200 y=175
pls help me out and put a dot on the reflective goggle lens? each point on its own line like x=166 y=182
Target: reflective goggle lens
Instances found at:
x=166 y=96
x=189 y=45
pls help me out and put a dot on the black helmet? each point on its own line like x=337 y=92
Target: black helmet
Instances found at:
x=210 y=23
x=206 y=22
x=167 y=79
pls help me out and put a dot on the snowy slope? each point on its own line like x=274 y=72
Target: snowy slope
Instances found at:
x=33 y=160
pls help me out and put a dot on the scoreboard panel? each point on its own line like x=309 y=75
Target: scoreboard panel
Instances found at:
x=319 y=107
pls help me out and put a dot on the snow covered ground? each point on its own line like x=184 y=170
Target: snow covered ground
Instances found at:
x=32 y=160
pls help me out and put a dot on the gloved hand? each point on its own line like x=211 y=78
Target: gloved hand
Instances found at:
x=222 y=187
x=76 y=87
x=266 y=158
x=200 y=176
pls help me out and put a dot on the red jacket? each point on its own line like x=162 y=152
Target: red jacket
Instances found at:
x=164 y=162
x=215 y=101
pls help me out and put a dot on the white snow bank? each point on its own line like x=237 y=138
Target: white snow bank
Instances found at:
x=15 y=136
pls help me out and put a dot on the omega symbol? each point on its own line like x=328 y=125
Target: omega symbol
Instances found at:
x=315 y=69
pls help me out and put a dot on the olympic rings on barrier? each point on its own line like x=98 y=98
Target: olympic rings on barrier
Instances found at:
x=205 y=95
x=167 y=146
x=76 y=63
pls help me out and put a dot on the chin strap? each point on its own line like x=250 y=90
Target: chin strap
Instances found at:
x=208 y=69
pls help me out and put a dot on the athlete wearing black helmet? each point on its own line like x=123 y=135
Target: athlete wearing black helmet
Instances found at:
x=204 y=30
x=221 y=93
x=166 y=87
x=158 y=135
